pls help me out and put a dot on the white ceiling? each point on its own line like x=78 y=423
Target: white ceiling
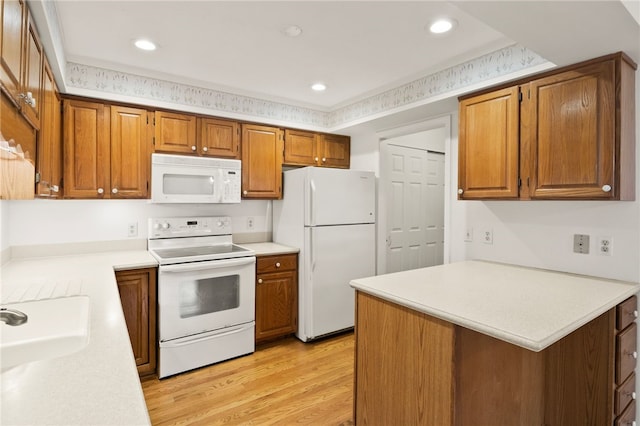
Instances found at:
x=357 y=48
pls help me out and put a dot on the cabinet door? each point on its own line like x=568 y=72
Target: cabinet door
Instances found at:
x=175 y=132
x=219 y=138
x=129 y=152
x=488 y=145
x=261 y=162
x=572 y=133
x=276 y=305
x=334 y=151
x=32 y=83
x=86 y=149
x=138 y=297
x=300 y=148
x=12 y=47
x=49 y=148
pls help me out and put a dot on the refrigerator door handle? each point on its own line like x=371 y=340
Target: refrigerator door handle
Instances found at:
x=312 y=261
x=312 y=195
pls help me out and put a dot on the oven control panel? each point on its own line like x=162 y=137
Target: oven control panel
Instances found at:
x=172 y=227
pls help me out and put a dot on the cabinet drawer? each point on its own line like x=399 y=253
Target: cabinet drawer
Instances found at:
x=625 y=353
x=625 y=394
x=628 y=418
x=626 y=312
x=277 y=263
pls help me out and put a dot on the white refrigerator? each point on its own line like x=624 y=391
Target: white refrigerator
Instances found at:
x=330 y=215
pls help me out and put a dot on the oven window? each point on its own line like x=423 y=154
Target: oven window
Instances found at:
x=188 y=184
x=209 y=295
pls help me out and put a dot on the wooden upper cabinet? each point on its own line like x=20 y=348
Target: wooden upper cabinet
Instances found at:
x=105 y=151
x=334 y=151
x=21 y=59
x=49 y=148
x=303 y=148
x=218 y=138
x=175 y=132
x=566 y=134
x=12 y=45
x=129 y=152
x=300 y=148
x=572 y=133
x=86 y=149
x=488 y=150
x=262 y=148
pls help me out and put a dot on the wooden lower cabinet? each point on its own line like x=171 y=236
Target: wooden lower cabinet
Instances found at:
x=412 y=368
x=137 y=289
x=276 y=296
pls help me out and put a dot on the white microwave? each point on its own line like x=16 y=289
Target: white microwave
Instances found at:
x=185 y=179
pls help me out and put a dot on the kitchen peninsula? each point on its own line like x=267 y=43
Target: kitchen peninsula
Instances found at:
x=491 y=344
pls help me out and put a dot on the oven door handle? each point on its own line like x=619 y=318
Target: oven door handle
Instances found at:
x=200 y=266
x=205 y=336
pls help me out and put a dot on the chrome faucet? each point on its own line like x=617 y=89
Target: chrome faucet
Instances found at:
x=12 y=317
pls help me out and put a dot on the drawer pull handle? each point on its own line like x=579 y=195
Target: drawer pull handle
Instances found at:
x=260 y=282
x=277 y=264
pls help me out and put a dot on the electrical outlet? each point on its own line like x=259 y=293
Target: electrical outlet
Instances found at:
x=132 y=229
x=581 y=243
x=487 y=236
x=468 y=236
x=605 y=246
x=250 y=222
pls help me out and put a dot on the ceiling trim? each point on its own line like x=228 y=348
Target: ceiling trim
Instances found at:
x=109 y=84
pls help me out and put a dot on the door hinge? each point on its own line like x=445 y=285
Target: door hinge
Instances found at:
x=519 y=182
x=37 y=177
x=154 y=121
x=147 y=119
x=153 y=141
x=520 y=96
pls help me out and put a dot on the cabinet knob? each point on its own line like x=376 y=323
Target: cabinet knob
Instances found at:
x=100 y=191
x=635 y=314
x=606 y=188
x=324 y=159
x=245 y=192
x=277 y=264
x=205 y=149
x=460 y=191
x=114 y=190
x=633 y=354
x=259 y=280
x=315 y=159
x=193 y=148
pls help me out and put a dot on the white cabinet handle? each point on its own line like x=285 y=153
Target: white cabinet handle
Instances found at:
x=259 y=280
x=633 y=395
x=114 y=190
x=205 y=149
x=460 y=191
x=324 y=159
x=316 y=159
x=606 y=188
x=635 y=314
x=245 y=192
x=277 y=264
x=100 y=191
x=193 y=147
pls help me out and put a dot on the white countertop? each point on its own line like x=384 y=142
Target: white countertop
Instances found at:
x=528 y=307
x=268 y=249
x=98 y=385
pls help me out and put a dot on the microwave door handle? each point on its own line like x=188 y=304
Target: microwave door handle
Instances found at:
x=200 y=266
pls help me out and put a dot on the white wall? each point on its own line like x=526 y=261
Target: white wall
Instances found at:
x=64 y=221
x=4 y=225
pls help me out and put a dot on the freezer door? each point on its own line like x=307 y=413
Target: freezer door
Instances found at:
x=335 y=256
x=339 y=197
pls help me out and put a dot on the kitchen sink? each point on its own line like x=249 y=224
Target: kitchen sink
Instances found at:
x=53 y=328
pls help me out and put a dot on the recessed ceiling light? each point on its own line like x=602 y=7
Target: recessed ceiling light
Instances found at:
x=145 y=44
x=442 y=26
x=292 y=31
x=319 y=87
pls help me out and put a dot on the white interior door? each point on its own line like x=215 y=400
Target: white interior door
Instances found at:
x=413 y=183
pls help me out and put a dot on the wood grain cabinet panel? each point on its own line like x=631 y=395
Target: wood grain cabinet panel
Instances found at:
x=334 y=151
x=32 y=75
x=49 y=144
x=175 y=133
x=137 y=290
x=276 y=296
x=562 y=134
x=488 y=151
x=12 y=44
x=218 y=138
x=262 y=155
x=130 y=138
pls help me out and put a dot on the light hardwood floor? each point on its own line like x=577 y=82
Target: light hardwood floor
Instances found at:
x=285 y=382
